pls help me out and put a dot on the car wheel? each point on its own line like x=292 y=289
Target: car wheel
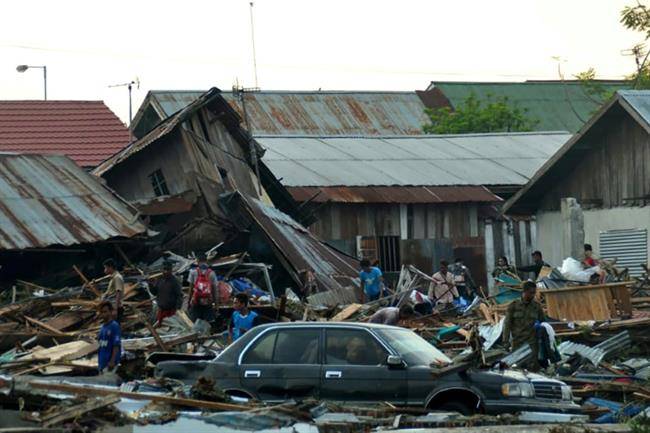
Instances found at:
x=456 y=406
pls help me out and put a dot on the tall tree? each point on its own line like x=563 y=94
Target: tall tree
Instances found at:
x=475 y=115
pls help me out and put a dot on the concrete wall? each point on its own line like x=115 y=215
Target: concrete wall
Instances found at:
x=550 y=235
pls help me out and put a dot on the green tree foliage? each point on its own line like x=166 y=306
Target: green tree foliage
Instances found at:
x=594 y=89
x=637 y=18
x=475 y=115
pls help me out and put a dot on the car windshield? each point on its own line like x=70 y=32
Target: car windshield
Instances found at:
x=413 y=349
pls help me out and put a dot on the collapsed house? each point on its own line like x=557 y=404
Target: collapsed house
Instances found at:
x=53 y=215
x=180 y=174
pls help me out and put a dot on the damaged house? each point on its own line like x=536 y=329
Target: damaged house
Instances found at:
x=54 y=215
x=375 y=186
x=199 y=180
x=605 y=167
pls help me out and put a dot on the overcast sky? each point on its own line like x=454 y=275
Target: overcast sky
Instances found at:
x=301 y=44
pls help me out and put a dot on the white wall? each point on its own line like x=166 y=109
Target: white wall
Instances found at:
x=549 y=228
x=550 y=237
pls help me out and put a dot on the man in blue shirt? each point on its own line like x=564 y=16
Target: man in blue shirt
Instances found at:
x=242 y=318
x=372 y=282
x=110 y=345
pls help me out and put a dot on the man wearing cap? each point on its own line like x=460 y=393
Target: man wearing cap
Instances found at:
x=168 y=292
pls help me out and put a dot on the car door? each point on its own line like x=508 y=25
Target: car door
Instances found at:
x=355 y=369
x=283 y=364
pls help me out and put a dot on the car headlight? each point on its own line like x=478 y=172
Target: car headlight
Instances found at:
x=567 y=394
x=518 y=390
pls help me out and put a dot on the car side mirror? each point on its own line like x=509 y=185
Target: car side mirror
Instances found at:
x=394 y=361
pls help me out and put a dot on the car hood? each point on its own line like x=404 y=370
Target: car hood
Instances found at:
x=508 y=375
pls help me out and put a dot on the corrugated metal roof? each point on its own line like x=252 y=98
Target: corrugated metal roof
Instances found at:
x=394 y=194
x=296 y=247
x=469 y=159
x=559 y=106
x=86 y=131
x=639 y=100
x=308 y=113
x=49 y=200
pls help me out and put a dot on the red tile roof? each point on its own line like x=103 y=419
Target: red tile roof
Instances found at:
x=86 y=131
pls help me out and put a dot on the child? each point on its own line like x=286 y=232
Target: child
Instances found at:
x=242 y=318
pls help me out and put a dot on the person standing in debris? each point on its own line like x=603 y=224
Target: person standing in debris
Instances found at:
x=392 y=315
x=115 y=284
x=442 y=289
x=168 y=292
x=372 y=282
x=462 y=278
x=503 y=267
x=109 y=339
x=203 y=298
x=536 y=267
x=521 y=318
x=242 y=318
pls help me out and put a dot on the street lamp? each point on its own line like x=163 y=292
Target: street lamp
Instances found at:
x=23 y=68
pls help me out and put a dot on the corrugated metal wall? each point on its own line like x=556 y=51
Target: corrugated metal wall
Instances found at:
x=434 y=232
x=628 y=247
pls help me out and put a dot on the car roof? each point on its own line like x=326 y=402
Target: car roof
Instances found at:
x=328 y=325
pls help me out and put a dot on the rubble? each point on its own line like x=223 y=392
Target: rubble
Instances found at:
x=49 y=355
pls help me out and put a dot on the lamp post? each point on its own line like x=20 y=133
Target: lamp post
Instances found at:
x=23 y=68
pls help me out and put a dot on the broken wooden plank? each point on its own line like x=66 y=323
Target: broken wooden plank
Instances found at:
x=68 y=351
x=346 y=313
x=161 y=344
x=184 y=318
x=175 y=401
x=87 y=282
x=47 y=327
x=487 y=313
x=75 y=412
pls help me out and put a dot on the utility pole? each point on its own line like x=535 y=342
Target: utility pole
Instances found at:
x=129 y=86
x=240 y=92
x=253 y=44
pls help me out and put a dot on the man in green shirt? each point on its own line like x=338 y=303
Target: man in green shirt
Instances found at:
x=520 y=320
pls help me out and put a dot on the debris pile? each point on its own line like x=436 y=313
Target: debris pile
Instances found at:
x=49 y=346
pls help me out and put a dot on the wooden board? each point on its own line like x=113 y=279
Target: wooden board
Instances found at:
x=346 y=313
x=593 y=302
x=67 y=351
x=176 y=401
x=590 y=304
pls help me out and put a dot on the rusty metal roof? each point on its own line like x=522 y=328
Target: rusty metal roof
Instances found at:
x=303 y=112
x=394 y=194
x=295 y=246
x=431 y=160
x=48 y=200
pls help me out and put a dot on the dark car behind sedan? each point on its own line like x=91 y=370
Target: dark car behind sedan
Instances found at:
x=365 y=363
